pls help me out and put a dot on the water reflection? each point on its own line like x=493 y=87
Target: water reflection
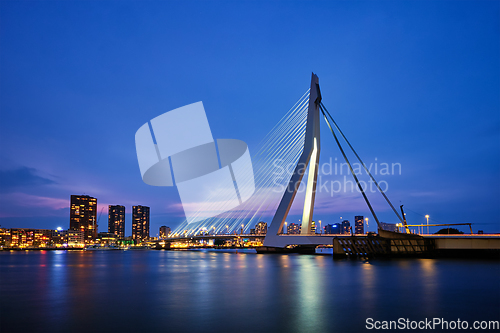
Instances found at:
x=368 y=285
x=311 y=282
x=57 y=284
x=199 y=291
x=429 y=282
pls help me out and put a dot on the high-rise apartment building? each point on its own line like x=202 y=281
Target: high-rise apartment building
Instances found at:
x=116 y=220
x=293 y=229
x=313 y=227
x=346 y=227
x=261 y=228
x=164 y=231
x=140 y=223
x=359 y=226
x=83 y=213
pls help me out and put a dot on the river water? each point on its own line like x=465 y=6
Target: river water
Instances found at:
x=239 y=291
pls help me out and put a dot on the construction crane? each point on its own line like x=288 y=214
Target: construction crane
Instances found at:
x=405 y=225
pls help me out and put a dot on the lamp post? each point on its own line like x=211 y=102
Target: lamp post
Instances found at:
x=320 y=230
x=227 y=230
x=366 y=219
x=427 y=217
x=286 y=223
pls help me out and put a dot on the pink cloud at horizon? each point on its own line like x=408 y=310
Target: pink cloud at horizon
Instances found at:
x=15 y=204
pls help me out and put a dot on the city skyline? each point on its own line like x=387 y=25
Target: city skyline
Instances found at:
x=412 y=83
x=83 y=216
x=266 y=166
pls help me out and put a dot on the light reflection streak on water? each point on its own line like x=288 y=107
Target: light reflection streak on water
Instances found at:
x=429 y=281
x=312 y=287
x=368 y=285
x=203 y=284
x=58 y=284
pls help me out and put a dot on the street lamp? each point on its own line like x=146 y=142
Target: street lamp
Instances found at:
x=286 y=223
x=242 y=228
x=320 y=227
x=427 y=217
x=366 y=219
x=227 y=229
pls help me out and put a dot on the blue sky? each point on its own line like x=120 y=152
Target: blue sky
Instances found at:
x=409 y=82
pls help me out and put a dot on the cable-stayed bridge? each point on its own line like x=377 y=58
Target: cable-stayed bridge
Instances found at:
x=279 y=150
x=293 y=146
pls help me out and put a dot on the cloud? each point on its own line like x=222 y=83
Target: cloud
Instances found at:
x=22 y=177
x=22 y=204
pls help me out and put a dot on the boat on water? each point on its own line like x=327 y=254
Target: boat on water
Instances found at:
x=139 y=247
x=97 y=247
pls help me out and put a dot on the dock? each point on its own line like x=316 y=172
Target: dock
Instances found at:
x=392 y=244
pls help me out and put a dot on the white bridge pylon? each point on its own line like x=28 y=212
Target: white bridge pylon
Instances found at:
x=308 y=158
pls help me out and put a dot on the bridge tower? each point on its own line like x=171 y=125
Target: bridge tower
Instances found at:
x=308 y=158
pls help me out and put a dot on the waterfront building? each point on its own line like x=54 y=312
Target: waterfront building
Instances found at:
x=26 y=237
x=42 y=237
x=4 y=237
x=116 y=220
x=333 y=229
x=127 y=241
x=313 y=227
x=346 y=227
x=140 y=223
x=261 y=228
x=76 y=237
x=83 y=214
x=72 y=238
x=107 y=238
x=164 y=231
x=293 y=229
x=59 y=237
x=328 y=229
x=359 y=225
